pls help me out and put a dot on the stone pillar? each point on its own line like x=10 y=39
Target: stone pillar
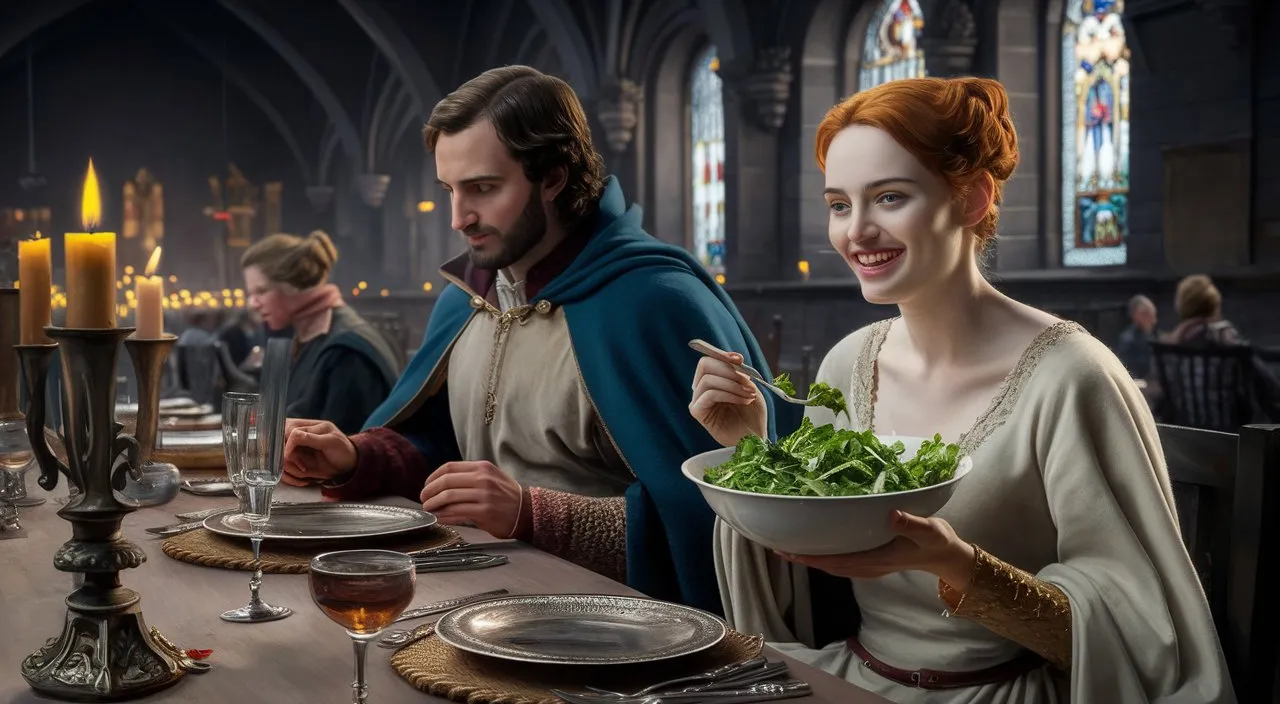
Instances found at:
x=618 y=112
x=767 y=88
x=950 y=38
x=1234 y=17
x=756 y=98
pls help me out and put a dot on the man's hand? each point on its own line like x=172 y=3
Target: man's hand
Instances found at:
x=315 y=451
x=474 y=492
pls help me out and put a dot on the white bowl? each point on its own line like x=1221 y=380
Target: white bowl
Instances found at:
x=819 y=525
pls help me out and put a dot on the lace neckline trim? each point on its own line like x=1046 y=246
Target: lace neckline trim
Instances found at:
x=865 y=382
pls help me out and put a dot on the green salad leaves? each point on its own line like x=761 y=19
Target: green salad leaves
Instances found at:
x=826 y=461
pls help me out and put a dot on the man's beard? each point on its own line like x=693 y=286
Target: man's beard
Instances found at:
x=516 y=242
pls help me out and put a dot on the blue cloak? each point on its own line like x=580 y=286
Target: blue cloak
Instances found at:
x=632 y=304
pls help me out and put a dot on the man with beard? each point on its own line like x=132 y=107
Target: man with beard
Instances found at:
x=548 y=400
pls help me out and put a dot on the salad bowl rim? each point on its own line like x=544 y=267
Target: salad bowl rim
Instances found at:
x=963 y=466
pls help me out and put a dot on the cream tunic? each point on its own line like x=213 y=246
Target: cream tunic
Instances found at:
x=1069 y=484
x=545 y=431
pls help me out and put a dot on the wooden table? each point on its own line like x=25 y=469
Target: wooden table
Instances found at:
x=303 y=658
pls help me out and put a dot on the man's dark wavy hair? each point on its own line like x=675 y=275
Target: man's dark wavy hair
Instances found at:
x=540 y=120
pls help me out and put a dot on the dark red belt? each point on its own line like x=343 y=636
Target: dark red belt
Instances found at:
x=942 y=679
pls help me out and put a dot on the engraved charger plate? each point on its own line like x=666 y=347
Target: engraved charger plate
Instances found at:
x=325 y=521
x=580 y=629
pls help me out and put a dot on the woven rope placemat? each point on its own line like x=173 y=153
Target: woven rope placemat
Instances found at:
x=204 y=547
x=437 y=668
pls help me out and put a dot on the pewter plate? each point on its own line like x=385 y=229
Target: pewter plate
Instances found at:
x=580 y=629
x=326 y=521
x=172 y=439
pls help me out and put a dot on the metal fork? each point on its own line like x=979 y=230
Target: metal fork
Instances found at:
x=772 y=671
x=706 y=348
x=763 y=692
x=735 y=680
x=704 y=678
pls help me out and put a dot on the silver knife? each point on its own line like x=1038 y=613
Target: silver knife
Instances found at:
x=443 y=606
x=453 y=563
x=176 y=529
x=205 y=513
x=197 y=515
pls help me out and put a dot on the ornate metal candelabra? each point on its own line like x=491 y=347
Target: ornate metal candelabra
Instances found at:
x=105 y=651
x=157 y=482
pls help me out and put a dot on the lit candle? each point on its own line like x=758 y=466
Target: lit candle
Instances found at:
x=91 y=265
x=35 y=290
x=150 y=293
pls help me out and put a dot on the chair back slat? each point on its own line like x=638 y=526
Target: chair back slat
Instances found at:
x=1202 y=470
x=1227 y=492
x=1252 y=641
x=1204 y=387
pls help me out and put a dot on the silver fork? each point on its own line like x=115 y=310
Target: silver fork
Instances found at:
x=709 y=677
x=771 y=671
x=763 y=692
x=706 y=348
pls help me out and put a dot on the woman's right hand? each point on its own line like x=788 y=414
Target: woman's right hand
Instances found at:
x=726 y=402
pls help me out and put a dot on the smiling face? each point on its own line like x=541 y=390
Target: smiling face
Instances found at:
x=494 y=205
x=895 y=223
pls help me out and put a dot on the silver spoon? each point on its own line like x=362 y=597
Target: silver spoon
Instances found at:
x=710 y=350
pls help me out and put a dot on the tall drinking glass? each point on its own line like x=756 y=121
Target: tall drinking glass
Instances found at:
x=236 y=406
x=247 y=442
x=364 y=591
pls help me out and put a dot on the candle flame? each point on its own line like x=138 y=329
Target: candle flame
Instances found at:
x=153 y=263
x=91 y=201
x=38 y=235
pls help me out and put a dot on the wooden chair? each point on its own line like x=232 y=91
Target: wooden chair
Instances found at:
x=205 y=372
x=391 y=327
x=1204 y=387
x=1227 y=492
x=198 y=374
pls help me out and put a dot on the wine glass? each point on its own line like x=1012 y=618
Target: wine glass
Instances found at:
x=235 y=474
x=247 y=442
x=364 y=591
x=16 y=459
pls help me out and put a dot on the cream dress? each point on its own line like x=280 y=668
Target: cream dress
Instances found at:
x=1069 y=484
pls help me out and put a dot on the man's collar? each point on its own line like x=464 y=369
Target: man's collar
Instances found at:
x=481 y=281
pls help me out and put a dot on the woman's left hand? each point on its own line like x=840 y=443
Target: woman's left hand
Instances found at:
x=925 y=544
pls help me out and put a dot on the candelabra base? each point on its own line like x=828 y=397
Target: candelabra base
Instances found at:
x=105 y=652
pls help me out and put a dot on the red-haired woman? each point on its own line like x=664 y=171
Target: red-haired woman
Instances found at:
x=1056 y=571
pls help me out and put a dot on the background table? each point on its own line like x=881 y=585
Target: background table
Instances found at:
x=303 y=658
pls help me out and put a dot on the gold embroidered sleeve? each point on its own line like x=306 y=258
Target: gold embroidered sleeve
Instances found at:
x=1017 y=605
x=587 y=531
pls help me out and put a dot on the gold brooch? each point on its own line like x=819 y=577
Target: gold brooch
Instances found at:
x=477 y=302
x=543 y=307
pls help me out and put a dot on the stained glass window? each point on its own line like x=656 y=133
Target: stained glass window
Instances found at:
x=1095 y=134
x=706 y=111
x=891 y=47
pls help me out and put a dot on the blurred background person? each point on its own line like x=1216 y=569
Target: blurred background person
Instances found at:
x=343 y=368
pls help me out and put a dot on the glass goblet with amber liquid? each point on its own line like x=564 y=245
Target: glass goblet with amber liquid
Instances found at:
x=364 y=591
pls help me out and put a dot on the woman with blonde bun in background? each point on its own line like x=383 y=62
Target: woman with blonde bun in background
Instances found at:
x=342 y=368
x=1056 y=572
